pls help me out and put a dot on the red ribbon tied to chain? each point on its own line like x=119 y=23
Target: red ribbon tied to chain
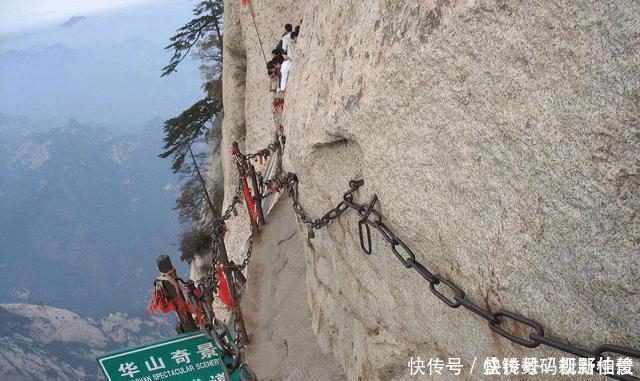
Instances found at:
x=223 y=289
x=251 y=206
x=160 y=302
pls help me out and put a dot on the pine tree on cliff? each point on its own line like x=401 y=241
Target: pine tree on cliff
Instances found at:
x=204 y=32
x=196 y=238
x=201 y=37
x=193 y=242
x=180 y=135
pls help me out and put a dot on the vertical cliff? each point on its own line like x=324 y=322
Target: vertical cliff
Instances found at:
x=247 y=101
x=502 y=139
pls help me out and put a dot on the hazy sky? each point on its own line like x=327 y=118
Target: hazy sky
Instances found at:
x=50 y=73
x=21 y=15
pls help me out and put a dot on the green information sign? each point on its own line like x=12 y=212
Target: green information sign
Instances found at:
x=187 y=357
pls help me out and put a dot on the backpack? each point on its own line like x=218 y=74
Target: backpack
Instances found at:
x=279 y=46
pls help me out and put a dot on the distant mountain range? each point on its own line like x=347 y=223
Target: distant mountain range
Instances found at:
x=83 y=215
x=116 y=86
x=86 y=205
x=73 y=20
x=103 y=70
x=43 y=343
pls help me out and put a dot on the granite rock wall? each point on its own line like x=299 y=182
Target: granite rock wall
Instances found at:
x=502 y=139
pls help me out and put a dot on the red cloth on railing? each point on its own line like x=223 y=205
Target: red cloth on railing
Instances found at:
x=198 y=309
x=223 y=288
x=251 y=205
x=160 y=302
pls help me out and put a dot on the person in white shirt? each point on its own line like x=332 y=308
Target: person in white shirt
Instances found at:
x=284 y=73
x=293 y=52
x=286 y=38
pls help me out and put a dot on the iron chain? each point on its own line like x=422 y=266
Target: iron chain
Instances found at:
x=273 y=147
x=441 y=287
x=290 y=183
x=247 y=257
x=371 y=218
x=219 y=224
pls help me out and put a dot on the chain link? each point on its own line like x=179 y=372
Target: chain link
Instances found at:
x=290 y=183
x=216 y=330
x=247 y=257
x=219 y=227
x=441 y=287
x=218 y=231
x=231 y=209
x=371 y=218
x=275 y=146
x=213 y=329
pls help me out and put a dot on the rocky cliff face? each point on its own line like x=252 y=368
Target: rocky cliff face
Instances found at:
x=502 y=139
x=41 y=343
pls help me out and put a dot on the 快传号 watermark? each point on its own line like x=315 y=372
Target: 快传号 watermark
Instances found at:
x=563 y=366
